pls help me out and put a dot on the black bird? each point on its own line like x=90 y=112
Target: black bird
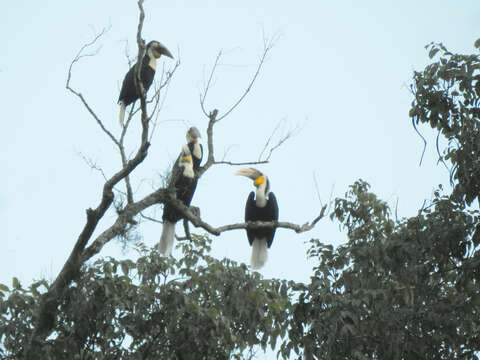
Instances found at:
x=129 y=93
x=259 y=208
x=185 y=186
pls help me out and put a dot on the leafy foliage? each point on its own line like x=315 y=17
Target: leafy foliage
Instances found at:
x=157 y=308
x=403 y=290
x=447 y=97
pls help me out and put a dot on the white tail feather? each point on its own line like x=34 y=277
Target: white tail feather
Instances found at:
x=167 y=238
x=121 y=116
x=259 y=253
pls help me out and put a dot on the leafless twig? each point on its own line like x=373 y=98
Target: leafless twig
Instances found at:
x=279 y=143
x=79 y=56
x=267 y=46
x=316 y=189
x=240 y=163
x=207 y=86
x=49 y=304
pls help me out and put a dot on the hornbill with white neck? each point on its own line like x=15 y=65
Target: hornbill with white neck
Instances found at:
x=260 y=208
x=129 y=92
x=185 y=185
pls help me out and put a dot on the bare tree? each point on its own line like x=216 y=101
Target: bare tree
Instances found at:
x=85 y=246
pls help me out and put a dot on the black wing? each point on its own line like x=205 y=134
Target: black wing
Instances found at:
x=129 y=93
x=250 y=211
x=185 y=188
x=272 y=208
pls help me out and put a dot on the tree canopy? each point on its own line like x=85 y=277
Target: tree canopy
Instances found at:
x=397 y=289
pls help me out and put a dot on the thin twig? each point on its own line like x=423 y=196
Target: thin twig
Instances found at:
x=240 y=163
x=207 y=86
x=266 y=49
x=79 y=56
x=316 y=188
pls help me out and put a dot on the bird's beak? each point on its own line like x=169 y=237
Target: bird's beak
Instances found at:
x=250 y=173
x=161 y=50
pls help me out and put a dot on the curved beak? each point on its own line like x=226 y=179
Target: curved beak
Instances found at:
x=250 y=173
x=162 y=50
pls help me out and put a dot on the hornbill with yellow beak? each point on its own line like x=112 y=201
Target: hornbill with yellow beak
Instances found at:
x=129 y=92
x=259 y=208
x=185 y=185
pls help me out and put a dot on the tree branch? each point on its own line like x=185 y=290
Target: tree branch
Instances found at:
x=79 y=56
x=207 y=86
x=267 y=46
x=48 y=307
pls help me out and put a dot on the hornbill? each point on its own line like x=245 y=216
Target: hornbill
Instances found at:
x=259 y=208
x=185 y=186
x=129 y=92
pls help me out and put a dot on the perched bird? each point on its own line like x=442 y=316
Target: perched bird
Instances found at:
x=195 y=147
x=259 y=208
x=185 y=185
x=129 y=92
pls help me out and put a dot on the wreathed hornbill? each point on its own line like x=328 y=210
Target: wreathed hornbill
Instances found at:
x=259 y=208
x=129 y=92
x=185 y=185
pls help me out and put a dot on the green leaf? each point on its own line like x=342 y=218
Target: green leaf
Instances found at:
x=16 y=283
x=433 y=52
x=4 y=287
x=477 y=44
x=124 y=268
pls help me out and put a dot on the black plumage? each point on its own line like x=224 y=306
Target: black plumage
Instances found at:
x=129 y=92
x=185 y=188
x=267 y=213
x=185 y=184
x=261 y=206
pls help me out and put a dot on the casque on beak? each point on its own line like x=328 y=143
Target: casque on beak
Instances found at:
x=164 y=51
x=161 y=50
x=253 y=174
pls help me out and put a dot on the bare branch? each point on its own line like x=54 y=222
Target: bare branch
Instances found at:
x=150 y=218
x=240 y=163
x=186 y=228
x=316 y=188
x=210 y=157
x=48 y=307
x=267 y=46
x=197 y=222
x=127 y=178
x=207 y=86
x=289 y=134
x=79 y=56
x=91 y=164
x=158 y=106
x=277 y=224
x=166 y=196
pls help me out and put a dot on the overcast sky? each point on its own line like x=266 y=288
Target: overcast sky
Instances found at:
x=339 y=70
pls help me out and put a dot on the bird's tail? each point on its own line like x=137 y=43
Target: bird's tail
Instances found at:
x=121 y=116
x=167 y=237
x=259 y=253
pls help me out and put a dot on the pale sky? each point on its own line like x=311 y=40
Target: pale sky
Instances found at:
x=339 y=70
